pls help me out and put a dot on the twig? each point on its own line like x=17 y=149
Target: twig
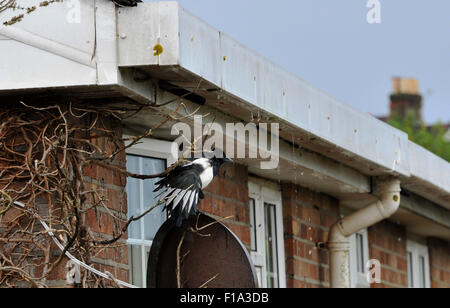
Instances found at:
x=10 y=202
x=113 y=279
x=209 y=280
x=180 y=243
x=125 y=228
x=45 y=148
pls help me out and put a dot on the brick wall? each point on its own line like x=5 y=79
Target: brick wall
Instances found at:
x=102 y=222
x=308 y=216
x=227 y=196
x=106 y=222
x=387 y=243
x=439 y=253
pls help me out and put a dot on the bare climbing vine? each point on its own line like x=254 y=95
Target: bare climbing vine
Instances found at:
x=45 y=150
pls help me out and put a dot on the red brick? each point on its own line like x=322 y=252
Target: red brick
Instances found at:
x=301 y=250
x=243 y=214
x=385 y=246
x=90 y=171
x=116 y=200
x=119 y=179
x=104 y=175
x=290 y=248
x=313 y=272
x=214 y=187
x=92 y=220
x=123 y=275
x=439 y=255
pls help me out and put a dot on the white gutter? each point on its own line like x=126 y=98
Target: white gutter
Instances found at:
x=338 y=241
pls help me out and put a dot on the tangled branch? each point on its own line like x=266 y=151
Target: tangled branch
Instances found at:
x=45 y=150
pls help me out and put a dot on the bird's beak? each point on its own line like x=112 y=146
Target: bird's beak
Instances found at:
x=228 y=160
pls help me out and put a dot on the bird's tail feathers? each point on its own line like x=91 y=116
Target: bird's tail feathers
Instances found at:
x=180 y=204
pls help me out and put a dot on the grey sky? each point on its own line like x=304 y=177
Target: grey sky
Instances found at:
x=330 y=44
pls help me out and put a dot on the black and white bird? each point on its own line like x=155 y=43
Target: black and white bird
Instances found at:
x=126 y=2
x=181 y=189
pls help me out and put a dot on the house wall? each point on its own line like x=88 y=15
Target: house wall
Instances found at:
x=107 y=222
x=308 y=216
x=439 y=253
x=387 y=243
x=228 y=196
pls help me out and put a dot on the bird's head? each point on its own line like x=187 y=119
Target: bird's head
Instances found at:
x=219 y=157
x=225 y=160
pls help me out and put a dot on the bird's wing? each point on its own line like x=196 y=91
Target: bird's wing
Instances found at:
x=180 y=190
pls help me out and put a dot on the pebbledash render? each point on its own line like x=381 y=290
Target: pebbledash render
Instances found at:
x=333 y=159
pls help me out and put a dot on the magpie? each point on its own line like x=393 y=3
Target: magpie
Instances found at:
x=181 y=188
x=126 y=2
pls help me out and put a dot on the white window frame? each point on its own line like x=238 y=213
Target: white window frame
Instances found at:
x=267 y=192
x=358 y=279
x=151 y=148
x=417 y=250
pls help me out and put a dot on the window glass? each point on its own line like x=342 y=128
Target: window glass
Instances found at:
x=155 y=218
x=140 y=198
x=136 y=265
x=410 y=270
x=360 y=253
x=422 y=272
x=253 y=243
x=358 y=259
x=271 y=245
x=133 y=194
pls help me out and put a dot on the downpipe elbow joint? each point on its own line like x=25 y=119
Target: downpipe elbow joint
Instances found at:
x=389 y=194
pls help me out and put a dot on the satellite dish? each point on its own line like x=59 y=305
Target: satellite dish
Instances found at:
x=213 y=257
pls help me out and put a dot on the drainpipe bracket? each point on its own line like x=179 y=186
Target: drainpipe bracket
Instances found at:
x=339 y=246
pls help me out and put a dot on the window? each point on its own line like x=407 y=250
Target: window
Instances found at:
x=359 y=257
x=267 y=242
x=149 y=157
x=418 y=265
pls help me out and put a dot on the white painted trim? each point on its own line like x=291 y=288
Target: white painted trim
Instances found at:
x=153 y=148
x=418 y=250
x=133 y=241
x=263 y=191
x=357 y=279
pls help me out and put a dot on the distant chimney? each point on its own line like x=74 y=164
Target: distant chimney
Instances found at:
x=406 y=98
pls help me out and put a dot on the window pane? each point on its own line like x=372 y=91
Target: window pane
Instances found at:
x=155 y=218
x=271 y=245
x=137 y=273
x=140 y=198
x=422 y=271
x=410 y=270
x=133 y=195
x=253 y=243
x=360 y=253
x=259 y=275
